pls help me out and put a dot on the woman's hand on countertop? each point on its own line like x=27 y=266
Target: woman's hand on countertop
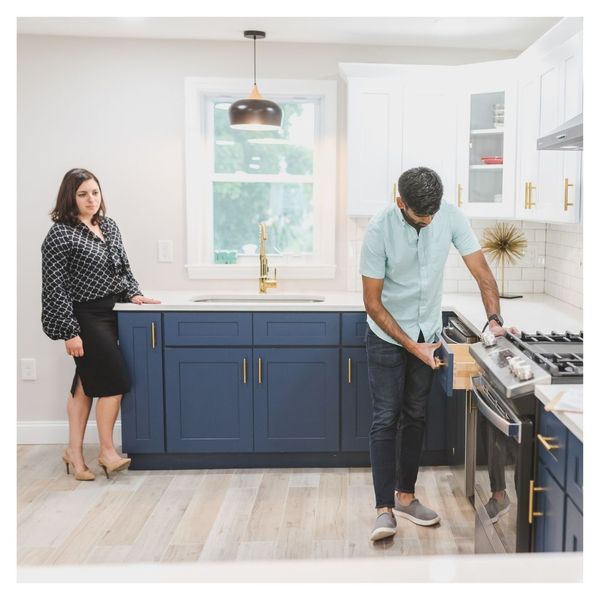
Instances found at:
x=144 y=300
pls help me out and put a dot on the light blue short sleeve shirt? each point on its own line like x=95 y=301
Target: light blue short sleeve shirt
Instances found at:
x=412 y=266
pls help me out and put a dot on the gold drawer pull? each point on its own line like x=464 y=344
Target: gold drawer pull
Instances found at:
x=260 y=370
x=439 y=363
x=153 y=335
x=460 y=189
x=533 y=489
x=349 y=370
x=545 y=442
x=245 y=370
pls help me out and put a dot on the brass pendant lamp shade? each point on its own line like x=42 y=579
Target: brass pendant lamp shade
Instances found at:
x=255 y=113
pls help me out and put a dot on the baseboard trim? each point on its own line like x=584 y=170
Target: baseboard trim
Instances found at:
x=57 y=432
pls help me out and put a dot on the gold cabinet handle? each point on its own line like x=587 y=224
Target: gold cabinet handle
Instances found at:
x=531 y=188
x=545 y=442
x=260 y=370
x=533 y=489
x=439 y=363
x=245 y=370
x=349 y=370
x=567 y=186
x=460 y=189
x=153 y=335
x=394 y=193
x=526 y=195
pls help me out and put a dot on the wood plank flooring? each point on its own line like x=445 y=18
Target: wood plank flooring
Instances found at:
x=219 y=515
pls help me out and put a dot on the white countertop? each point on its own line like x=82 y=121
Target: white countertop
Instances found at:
x=530 y=313
x=572 y=420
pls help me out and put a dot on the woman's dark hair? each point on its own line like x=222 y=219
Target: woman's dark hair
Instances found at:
x=66 y=210
x=421 y=190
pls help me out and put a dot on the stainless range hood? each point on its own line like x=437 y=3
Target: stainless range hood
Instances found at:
x=569 y=136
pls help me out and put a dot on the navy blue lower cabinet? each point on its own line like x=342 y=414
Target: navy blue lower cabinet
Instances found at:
x=142 y=419
x=296 y=400
x=208 y=393
x=573 y=528
x=550 y=502
x=356 y=400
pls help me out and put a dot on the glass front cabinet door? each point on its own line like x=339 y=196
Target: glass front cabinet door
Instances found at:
x=486 y=141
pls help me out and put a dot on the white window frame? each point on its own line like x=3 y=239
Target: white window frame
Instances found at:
x=198 y=169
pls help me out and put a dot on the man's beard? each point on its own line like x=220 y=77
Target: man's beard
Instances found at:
x=417 y=226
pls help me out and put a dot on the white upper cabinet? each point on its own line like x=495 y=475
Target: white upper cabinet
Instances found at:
x=374 y=143
x=476 y=125
x=486 y=146
x=429 y=131
x=550 y=93
x=400 y=117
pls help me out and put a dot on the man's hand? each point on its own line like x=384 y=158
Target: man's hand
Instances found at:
x=499 y=331
x=424 y=352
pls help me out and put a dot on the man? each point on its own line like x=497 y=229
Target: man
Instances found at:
x=402 y=266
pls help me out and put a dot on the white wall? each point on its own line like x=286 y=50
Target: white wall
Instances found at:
x=116 y=107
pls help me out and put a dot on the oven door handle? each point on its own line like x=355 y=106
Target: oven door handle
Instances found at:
x=509 y=428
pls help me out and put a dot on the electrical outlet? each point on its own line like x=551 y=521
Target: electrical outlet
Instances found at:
x=165 y=251
x=28 y=369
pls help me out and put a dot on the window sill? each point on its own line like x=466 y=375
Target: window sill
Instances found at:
x=208 y=271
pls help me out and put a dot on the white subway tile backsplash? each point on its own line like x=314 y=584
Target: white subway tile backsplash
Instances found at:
x=552 y=263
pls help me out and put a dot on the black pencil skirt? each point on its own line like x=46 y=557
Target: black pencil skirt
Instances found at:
x=101 y=369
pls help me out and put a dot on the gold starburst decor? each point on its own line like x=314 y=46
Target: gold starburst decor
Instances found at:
x=504 y=243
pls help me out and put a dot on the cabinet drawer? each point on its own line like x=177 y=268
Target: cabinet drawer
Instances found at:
x=296 y=329
x=574 y=487
x=354 y=327
x=208 y=329
x=445 y=373
x=464 y=366
x=552 y=445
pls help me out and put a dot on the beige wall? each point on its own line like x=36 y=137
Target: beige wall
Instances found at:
x=116 y=107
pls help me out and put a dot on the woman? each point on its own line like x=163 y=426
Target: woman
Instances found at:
x=84 y=272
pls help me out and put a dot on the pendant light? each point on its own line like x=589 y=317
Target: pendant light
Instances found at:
x=255 y=113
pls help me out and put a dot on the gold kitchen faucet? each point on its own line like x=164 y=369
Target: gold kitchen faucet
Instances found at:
x=263 y=279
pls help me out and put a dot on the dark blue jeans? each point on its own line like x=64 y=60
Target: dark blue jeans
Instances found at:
x=400 y=384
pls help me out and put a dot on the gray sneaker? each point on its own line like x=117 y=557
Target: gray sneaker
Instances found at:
x=385 y=526
x=417 y=513
x=496 y=508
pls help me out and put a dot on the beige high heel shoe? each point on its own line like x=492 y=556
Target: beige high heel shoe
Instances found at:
x=111 y=467
x=85 y=475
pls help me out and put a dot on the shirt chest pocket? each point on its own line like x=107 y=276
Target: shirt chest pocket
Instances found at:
x=437 y=255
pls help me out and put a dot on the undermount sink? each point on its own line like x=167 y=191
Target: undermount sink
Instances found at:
x=272 y=297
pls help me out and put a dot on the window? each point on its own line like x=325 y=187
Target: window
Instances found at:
x=237 y=179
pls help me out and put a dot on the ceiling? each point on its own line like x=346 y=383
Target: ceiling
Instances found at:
x=495 y=33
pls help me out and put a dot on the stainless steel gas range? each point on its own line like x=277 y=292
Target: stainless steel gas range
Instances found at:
x=503 y=465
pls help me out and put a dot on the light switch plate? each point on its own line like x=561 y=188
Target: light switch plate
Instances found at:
x=165 y=251
x=28 y=371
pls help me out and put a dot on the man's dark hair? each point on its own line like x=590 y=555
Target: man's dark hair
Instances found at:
x=421 y=190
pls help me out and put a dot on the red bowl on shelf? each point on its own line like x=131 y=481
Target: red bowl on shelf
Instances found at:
x=492 y=160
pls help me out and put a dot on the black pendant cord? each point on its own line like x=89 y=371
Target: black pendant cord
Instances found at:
x=254 y=60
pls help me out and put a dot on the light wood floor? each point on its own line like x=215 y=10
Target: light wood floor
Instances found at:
x=226 y=514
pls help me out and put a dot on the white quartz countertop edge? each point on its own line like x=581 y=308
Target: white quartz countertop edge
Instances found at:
x=531 y=313
x=573 y=421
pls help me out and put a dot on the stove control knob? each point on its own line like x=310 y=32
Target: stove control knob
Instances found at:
x=488 y=339
x=524 y=373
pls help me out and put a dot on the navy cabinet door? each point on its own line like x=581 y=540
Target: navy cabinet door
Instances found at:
x=356 y=400
x=549 y=526
x=574 y=485
x=142 y=417
x=573 y=528
x=436 y=424
x=208 y=405
x=296 y=399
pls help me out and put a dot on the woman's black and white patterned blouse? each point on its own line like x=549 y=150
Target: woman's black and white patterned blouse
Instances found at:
x=77 y=266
